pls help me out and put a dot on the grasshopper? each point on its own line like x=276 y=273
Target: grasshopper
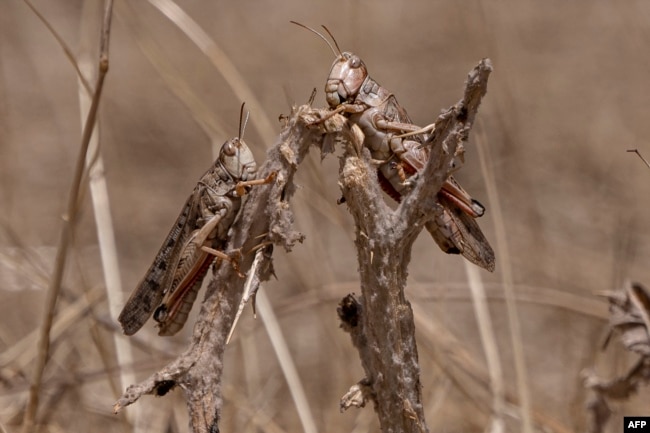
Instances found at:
x=200 y=232
x=397 y=147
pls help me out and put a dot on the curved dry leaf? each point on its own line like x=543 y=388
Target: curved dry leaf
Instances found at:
x=630 y=316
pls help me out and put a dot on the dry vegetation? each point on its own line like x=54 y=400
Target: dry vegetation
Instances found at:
x=565 y=101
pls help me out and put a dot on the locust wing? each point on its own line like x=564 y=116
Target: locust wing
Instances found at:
x=189 y=271
x=456 y=232
x=150 y=291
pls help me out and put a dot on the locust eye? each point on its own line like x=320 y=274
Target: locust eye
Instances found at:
x=355 y=62
x=230 y=149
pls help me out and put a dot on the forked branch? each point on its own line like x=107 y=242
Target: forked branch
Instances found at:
x=380 y=321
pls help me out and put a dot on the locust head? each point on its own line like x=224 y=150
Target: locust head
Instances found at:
x=345 y=79
x=235 y=156
x=237 y=159
x=346 y=76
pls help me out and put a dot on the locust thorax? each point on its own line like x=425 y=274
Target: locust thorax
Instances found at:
x=237 y=159
x=346 y=77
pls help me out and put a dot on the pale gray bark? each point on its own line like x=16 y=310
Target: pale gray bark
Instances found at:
x=380 y=321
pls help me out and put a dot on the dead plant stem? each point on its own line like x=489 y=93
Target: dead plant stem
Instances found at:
x=69 y=220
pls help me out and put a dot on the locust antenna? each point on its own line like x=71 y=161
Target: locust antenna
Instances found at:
x=242 y=121
x=333 y=38
x=320 y=36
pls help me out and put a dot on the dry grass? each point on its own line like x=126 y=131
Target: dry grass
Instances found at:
x=565 y=102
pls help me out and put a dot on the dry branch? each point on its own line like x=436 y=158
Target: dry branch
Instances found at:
x=380 y=321
x=266 y=211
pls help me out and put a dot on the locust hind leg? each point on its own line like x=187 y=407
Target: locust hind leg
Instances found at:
x=172 y=313
x=189 y=270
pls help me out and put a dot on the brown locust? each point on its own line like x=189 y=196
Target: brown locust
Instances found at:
x=398 y=147
x=199 y=234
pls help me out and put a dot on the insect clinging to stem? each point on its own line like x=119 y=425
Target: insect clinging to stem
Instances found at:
x=399 y=149
x=198 y=236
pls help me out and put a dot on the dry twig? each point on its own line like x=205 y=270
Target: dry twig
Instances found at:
x=198 y=370
x=66 y=230
x=525 y=410
x=640 y=156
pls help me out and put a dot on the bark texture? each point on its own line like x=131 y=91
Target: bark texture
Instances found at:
x=380 y=321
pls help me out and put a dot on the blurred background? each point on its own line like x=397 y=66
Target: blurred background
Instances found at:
x=567 y=98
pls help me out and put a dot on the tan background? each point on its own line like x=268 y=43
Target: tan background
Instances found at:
x=567 y=97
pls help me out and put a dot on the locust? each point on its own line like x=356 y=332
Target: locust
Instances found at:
x=398 y=148
x=198 y=237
